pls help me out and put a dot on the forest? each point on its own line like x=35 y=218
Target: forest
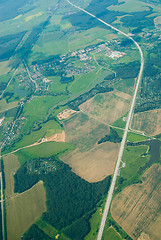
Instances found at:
x=69 y=197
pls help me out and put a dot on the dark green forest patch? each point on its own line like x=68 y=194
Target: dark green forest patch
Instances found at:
x=112 y=137
x=69 y=197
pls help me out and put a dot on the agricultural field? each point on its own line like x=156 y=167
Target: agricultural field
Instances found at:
x=89 y=165
x=128 y=6
x=4 y=106
x=137 y=208
x=23 y=210
x=4 y=68
x=134 y=157
x=83 y=133
x=47 y=130
x=107 y=107
x=36 y=109
x=58 y=57
x=125 y=85
x=11 y=165
x=90 y=37
x=148 y=122
x=46 y=149
x=83 y=82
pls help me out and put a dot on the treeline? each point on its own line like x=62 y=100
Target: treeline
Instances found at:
x=149 y=97
x=154 y=151
x=35 y=233
x=112 y=137
x=66 y=79
x=140 y=19
x=24 y=51
x=129 y=70
x=124 y=235
x=99 y=9
x=99 y=88
x=69 y=197
x=8 y=45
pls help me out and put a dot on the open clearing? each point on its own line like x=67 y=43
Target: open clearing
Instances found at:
x=6 y=106
x=107 y=107
x=4 y=68
x=48 y=129
x=137 y=209
x=82 y=82
x=148 y=122
x=11 y=164
x=23 y=210
x=89 y=160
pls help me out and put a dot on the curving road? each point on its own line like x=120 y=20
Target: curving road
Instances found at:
x=111 y=190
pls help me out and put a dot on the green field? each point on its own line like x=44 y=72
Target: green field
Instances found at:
x=89 y=37
x=46 y=228
x=4 y=106
x=4 y=68
x=133 y=137
x=135 y=158
x=10 y=25
x=37 y=109
x=125 y=85
x=82 y=82
x=111 y=234
x=94 y=225
x=58 y=47
x=129 y=6
x=56 y=86
x=48 y=129
x=121 y=122
x=43 y=150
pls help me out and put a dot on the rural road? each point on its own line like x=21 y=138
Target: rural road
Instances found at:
x=111 y=190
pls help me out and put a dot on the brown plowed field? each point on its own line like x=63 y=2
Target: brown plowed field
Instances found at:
x=89 y=160
x=137 y=209
x=108 y=107
x=148 y=122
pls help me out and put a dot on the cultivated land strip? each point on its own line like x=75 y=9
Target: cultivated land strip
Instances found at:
x=111 y=190
x=2 y=206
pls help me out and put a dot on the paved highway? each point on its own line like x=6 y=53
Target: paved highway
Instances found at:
x=111 y=190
